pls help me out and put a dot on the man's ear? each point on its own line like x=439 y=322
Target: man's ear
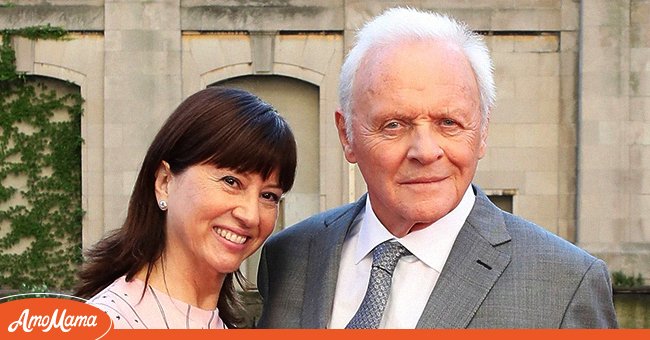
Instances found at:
x=339 y=117
x=163 y=177
x=484 y=135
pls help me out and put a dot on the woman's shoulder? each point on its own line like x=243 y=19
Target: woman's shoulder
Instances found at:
x=118 y=300
x=133 y=304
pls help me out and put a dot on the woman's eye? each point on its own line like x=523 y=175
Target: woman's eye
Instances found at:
x=271 y=197
x=230 y=180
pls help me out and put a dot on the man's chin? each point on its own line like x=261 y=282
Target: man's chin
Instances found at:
x=427 y=215
x=420 y=226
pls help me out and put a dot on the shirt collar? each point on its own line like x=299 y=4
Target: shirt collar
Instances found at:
x=431 y=245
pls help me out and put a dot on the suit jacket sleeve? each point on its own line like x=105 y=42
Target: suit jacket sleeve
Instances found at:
x=262 y=275
x=592 y=304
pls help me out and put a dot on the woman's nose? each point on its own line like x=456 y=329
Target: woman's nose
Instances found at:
x=247 y=211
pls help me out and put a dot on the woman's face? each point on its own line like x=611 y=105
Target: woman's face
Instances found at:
x=216 y=217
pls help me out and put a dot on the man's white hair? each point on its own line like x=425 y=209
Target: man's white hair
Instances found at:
x=400 y=24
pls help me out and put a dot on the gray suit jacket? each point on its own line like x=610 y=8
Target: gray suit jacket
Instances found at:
x=502 y=272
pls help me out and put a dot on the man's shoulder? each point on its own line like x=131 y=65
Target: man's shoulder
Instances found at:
x=315 y=223
x=328 y=216
x=534 y=240
x=528 y=238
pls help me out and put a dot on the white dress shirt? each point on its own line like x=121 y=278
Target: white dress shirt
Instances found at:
x=415 y=275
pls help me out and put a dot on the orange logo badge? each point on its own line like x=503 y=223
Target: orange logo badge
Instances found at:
x=52 y=315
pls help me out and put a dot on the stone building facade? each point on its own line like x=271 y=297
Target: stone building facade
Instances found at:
x=569 y=143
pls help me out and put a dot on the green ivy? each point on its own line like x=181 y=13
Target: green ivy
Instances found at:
x=622 y=280
x=45 y=154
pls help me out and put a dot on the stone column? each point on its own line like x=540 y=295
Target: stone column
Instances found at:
x=142 y=86
x=613 y=145
x=639 y=139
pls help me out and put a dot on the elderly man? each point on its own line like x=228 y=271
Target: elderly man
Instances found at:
x=424 y=248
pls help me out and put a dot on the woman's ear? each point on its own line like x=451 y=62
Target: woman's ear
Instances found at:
x=163 y=177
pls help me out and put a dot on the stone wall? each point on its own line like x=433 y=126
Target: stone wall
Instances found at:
x=569 y=139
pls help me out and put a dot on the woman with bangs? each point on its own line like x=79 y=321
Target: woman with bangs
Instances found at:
x=206 y=198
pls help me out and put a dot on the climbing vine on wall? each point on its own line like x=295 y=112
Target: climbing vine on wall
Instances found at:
x=40 y=175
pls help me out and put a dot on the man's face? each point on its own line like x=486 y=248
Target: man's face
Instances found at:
x=416 y=132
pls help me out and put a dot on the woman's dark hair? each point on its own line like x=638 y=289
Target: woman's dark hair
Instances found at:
x=225 y=127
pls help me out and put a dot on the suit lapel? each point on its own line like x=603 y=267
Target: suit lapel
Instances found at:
x=323 y=265
x=479 y=256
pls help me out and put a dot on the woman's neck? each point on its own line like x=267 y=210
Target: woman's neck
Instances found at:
x=193 y=287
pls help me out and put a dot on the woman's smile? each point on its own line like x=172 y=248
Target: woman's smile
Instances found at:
x=230 y=236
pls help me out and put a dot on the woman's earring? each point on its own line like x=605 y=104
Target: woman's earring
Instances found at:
x=162 y=204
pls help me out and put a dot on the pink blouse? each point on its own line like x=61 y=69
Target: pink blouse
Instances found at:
x=156 y=310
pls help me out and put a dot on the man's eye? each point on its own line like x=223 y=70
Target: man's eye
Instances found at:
x=392 y=125
x=448 y=122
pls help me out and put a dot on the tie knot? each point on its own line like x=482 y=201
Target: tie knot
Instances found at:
x=387 y=254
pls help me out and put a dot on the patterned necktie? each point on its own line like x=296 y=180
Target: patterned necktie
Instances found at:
x=384 y=260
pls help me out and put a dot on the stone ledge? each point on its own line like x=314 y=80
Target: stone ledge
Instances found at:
x=632 y=290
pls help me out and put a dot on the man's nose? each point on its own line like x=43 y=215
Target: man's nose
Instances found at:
x=424 y=145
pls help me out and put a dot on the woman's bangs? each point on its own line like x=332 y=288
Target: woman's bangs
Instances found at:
x=265 y=146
